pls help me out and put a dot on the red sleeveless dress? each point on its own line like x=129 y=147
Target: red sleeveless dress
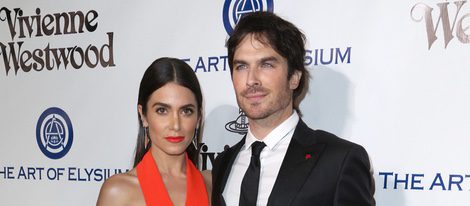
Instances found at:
x=154 y=190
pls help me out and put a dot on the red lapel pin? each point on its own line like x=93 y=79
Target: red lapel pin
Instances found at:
x=308 y=156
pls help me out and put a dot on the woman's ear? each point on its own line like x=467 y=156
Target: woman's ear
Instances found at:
x=198 y=122
x=200 y=119
x=142 y=116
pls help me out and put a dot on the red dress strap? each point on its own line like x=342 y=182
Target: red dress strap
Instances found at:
x=196 y=193
x=154 y=190
x=151 y=182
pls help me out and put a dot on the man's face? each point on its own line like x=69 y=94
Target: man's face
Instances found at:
x=260 y=80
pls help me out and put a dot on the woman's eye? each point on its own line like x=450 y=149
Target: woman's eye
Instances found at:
x=187 y=111
x=161 y=110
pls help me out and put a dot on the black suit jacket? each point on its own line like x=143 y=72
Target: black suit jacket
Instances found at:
x=319 y=169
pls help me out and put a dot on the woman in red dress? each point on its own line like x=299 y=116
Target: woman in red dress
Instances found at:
x=165 y=164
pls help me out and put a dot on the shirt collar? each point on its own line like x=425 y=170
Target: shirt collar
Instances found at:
x=276 y=135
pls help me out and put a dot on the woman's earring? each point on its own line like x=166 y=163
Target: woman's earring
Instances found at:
x=196 y=134
x=147 y=138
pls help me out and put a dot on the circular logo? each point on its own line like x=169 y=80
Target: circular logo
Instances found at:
x=239 y=125
x=235 y=9
x=54 y=133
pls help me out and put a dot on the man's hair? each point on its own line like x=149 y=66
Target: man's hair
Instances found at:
x=284 y=37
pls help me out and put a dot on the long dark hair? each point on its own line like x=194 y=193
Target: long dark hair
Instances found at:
x=158 y=74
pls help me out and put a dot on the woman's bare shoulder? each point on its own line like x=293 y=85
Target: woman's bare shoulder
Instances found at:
x=207 y=175
x=120 y=189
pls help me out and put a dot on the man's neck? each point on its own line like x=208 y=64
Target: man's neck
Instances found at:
x=260 y=128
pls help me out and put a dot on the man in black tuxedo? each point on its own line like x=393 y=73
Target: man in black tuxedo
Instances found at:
x=281 y=161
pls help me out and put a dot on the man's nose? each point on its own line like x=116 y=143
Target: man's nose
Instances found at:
x=253 y=77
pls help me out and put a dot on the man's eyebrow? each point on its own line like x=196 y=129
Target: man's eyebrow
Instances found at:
x=267 y=59
x=236 y=61
x=262 y=60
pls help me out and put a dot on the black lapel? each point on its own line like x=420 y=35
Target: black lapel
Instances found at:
x=302 y=155
x=226 y=163
x=229 y=162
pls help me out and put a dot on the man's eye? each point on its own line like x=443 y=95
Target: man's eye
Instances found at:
x=240 y=67
x=267 y=65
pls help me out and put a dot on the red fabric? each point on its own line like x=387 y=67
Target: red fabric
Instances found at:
x=154 y=190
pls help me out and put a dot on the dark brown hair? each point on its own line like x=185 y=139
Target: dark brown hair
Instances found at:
x=161 y=72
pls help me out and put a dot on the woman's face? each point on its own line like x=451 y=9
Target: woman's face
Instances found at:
x=172 y=118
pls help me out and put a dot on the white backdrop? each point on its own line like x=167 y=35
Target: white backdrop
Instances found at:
x=378 y=79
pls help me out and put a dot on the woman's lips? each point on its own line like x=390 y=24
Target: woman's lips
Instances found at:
x=173 y=139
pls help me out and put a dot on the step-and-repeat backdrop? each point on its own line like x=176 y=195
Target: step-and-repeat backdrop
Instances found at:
x=393 y=76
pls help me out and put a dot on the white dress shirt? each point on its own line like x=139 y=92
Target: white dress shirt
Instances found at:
x=277 y=142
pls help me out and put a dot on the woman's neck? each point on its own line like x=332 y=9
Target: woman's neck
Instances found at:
x=173 y=165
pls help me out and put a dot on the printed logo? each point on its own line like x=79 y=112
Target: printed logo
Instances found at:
x=451 y=23
x=235 y=9
x=26 y=26
x=54 y=133
x=240 y=125
x=454 y=181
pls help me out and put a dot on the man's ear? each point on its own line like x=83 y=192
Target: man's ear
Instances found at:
x=294 y=80
x=142 y=116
